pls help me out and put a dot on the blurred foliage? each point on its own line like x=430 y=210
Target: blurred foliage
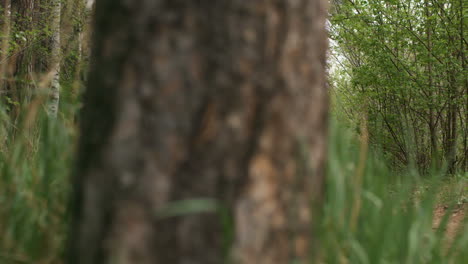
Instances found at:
x=402 y=64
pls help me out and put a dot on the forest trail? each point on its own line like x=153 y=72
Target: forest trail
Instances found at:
x=456 y=220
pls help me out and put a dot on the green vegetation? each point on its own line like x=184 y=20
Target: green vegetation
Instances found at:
x=402 y=65
x=370 y=215
x=373 y=215
x=34 y=166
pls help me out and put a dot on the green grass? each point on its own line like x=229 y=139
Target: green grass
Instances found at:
x=389 y=220
x=34 y=165
x=371 y=215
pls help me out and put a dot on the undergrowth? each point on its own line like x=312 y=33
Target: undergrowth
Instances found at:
x=373 y=215
x=370 y=215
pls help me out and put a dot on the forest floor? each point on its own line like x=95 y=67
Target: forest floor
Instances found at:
x=456 y=220
x=454 y=191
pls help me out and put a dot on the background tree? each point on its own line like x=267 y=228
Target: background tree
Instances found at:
x=5 y=39
x=223 y=101
x=22 y=58
x=411 y=75
x=35 y=154
x=55 y=57
x=41 y=52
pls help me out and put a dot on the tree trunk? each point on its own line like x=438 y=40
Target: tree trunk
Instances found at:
x=432 y=118
x=220 y=100
x=4 y=53
x=452 y=126
x=55 y=55
x=5 y=39
x=20 y=91
x=464 y=85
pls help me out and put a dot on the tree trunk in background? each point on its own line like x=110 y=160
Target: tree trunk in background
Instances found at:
x=85 y=34
x=21 y=89
x=55 y=55
x=4 y=76
x=452 y=128
x=222 y=100
x=5 y=39
x=432 y=91
x=464 y=88
x=24 y=17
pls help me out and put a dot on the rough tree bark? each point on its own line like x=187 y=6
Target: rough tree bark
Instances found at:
x=222 y=100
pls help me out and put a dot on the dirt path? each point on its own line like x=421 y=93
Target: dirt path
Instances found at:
x=455 y=224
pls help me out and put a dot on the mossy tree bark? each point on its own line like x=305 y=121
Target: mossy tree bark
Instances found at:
x=222 y=100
